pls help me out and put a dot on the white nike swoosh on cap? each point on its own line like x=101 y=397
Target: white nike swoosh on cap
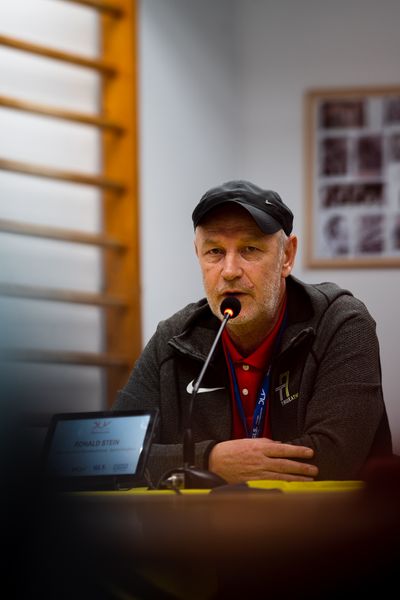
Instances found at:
x=189 y=388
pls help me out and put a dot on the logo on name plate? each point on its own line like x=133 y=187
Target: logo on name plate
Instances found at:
x=101 y=427
x=283 y=388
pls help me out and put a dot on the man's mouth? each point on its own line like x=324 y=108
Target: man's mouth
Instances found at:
x=237 y=294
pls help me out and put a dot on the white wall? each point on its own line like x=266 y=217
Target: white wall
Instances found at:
x=188 y=138
x=221 y=97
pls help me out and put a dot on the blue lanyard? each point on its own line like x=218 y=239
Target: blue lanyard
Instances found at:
x=260 y=408
x=261 y=405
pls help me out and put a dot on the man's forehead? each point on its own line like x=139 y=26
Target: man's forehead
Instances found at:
x=242 y=230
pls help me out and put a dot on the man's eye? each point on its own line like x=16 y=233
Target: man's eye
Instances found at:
x=214 y=251
x=250 y=249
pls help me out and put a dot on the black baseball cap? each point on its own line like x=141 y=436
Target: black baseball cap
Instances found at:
x=265 y=206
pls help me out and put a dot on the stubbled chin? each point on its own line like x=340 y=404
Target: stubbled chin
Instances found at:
x=243 y=317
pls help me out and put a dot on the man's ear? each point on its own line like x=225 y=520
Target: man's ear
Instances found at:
x=289 y=255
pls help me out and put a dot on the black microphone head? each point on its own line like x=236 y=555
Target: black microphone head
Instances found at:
x=231 y=305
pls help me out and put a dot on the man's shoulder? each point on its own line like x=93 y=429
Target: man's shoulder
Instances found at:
x=323 y=295
x=324 y=292
x=183 y=318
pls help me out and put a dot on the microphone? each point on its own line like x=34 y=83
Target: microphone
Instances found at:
x=189 y=476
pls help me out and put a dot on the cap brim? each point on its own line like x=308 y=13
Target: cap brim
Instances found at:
x=266 y=222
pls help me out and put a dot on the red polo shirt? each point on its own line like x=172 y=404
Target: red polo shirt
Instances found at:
x=250 y=371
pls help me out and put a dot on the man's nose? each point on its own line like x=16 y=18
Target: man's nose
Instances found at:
x=231 y=266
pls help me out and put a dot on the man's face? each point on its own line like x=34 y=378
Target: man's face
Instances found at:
x=237 y=258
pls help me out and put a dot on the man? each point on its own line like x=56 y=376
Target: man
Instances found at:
x=293 y=390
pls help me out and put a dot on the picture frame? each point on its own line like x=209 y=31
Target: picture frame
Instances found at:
x=352 y=177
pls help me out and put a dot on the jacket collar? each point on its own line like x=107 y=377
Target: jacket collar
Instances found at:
x=199 y=330
x=300 y=312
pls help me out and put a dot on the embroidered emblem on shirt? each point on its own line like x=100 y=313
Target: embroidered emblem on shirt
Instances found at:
x=189 y=388
x=283 y=388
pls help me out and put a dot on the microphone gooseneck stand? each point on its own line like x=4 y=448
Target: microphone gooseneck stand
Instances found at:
x=189 y=476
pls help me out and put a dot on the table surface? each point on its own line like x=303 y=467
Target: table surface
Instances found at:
x=298 y=540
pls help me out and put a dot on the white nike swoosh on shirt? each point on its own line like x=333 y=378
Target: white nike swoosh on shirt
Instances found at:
x=189 y=388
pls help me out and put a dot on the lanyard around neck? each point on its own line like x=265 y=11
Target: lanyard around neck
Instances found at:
x=261 y=404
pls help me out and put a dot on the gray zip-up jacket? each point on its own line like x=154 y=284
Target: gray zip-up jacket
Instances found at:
x=325 y=389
